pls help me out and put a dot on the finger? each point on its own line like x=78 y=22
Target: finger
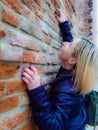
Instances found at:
x=26 y=80
x=57 y=17
x=27 y=76
x=57 y=12
x=34 y=69
x=30 y=72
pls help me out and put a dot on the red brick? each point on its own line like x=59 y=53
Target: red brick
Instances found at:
x=9 y=16
x=48 y=70
x=16 y=86
x=56 y=44
x=40 y=70
x=85 y=30
x=2 y=86
x=8 y=70
x=22 y=40
x=47 y=40
x=30 y=4
x=30 y=14
x=31 y=28
x=9 y=103
x=29 y=57
x=52 y=17
x=2 y=31
x=12 y=121
x=54 y=35
x=41 y=59
x=41 y=3
x=39 y=13
x=14 y=4
x=51 y=22
x=55 y=3
x=56 y=62
x=52 y=52
x=10 y=53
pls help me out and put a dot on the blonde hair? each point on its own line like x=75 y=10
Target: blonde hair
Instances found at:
x=86 y=68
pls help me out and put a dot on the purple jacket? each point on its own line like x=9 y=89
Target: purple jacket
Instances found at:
x=62 y=108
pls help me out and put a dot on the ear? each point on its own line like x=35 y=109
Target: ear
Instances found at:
x=72 y=61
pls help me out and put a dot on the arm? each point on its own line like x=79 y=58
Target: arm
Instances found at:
x=64 y=25
x=49 y=114
x=66 y=31
x=52 y=114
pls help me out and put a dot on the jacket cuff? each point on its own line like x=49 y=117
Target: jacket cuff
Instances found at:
x=64 y=24
x=36 y=91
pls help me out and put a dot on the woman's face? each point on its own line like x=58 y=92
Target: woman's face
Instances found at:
x=67 y=50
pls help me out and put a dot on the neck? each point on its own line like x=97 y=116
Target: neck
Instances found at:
x=67 y=66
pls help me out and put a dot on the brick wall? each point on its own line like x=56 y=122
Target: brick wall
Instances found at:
x=29 y=34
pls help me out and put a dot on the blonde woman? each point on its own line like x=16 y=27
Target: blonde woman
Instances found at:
x=64 y=107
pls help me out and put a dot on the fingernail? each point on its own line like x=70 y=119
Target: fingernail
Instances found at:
x=30 y=65
x=23 y=68
x=21 y=76
x=22 y=71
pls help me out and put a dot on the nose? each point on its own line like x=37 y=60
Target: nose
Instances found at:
x=65 y=43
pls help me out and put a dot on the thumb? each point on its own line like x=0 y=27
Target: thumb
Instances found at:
x=57 y=17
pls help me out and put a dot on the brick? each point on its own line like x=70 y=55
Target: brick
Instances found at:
x=24 y=100
x=14 y=4
x=52 y=17
x=9 y=103
x=14 y=120
x=30 y=4
x=2 y=86
x=51 y=23
x=16 y=86
x=53 y=34
x=47 y=40
x=52 y=52
x=30 y=14
x=28 y=126
x=29 y=58
x=85 y=30
x=39 y=13
x=9 y=17
x=40 y=70
x=10 y=53
x=41 y=59
x=30 y=28
x=55 y=44
x=44 y=27
x=2 y=31
x=8 y=70
x=23 y=40
x=55 y=3
x=48 y=70
x=56 y=62
x=41 y=4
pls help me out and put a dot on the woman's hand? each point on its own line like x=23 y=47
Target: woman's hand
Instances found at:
x=31 y=77
x=61 y=15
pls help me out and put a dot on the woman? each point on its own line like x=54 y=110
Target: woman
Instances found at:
x=64 y=108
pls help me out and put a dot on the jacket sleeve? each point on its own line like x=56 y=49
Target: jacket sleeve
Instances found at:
x=66 y=31
x=50 y=114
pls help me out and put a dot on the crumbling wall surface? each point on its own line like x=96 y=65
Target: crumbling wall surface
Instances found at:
x=29 y=34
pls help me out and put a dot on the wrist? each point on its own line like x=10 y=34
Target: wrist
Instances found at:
x=63 y=20
x=31 y=88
